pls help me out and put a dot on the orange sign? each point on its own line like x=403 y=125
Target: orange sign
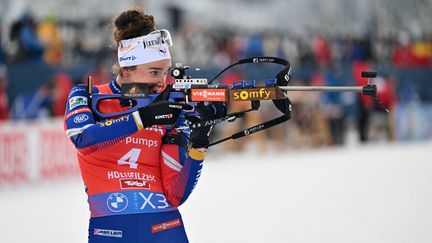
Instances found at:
x=209 y=95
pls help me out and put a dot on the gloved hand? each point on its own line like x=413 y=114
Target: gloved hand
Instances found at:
x=161 y=113
x=200 y=136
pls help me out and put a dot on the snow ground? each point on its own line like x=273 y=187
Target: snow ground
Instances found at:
x=374 y=193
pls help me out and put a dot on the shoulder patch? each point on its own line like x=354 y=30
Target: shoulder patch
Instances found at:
x=77 y=101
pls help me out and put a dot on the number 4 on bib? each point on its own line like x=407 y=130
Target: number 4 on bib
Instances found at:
x=130 y=158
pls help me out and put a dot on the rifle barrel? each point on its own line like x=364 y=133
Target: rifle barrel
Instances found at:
x=323 y=88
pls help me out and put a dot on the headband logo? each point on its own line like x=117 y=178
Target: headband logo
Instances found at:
x=151 y=43
x=131 y=58
x=125 y=48
x=163 y=51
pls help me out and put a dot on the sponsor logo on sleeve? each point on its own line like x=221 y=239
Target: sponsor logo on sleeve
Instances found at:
x=114 y=121
x=77 y=101
x=81 y=118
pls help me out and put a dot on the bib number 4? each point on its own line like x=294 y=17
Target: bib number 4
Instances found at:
x=130 y=158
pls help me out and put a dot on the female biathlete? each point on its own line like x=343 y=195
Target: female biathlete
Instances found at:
x=137 y=170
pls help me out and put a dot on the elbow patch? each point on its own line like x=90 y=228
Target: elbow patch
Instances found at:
x=196 y=154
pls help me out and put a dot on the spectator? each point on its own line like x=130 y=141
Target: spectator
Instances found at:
x=50 y=37
x=254 y=46
x=365 y=103
x=360 y=50
x=422 y=53
x=402 y=53
x=23 y=33
x=321 y=50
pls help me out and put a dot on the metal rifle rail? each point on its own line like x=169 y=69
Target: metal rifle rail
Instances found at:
x=323 y=88
x=370 y=90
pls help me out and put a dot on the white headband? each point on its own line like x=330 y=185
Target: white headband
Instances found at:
x=145 y=49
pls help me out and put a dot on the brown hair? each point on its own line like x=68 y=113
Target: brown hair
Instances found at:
x=130 y=24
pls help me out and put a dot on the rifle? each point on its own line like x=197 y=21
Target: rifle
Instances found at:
x=194 y=90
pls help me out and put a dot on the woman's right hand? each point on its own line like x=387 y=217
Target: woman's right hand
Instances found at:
x=200 y=136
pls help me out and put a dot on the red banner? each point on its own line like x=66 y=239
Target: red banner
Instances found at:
x=13 y=157
x=35 y=152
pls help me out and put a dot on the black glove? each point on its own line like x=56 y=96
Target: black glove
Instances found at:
x=161 y=113
x=200 y=136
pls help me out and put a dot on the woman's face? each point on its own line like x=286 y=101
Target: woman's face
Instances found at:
x=154 y=74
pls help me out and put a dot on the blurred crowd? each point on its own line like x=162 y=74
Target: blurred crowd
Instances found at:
x=67 y=52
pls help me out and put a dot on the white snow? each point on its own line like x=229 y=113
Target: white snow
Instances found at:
x=372 y=193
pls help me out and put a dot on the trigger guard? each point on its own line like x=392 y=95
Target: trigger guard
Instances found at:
x=192 y=112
